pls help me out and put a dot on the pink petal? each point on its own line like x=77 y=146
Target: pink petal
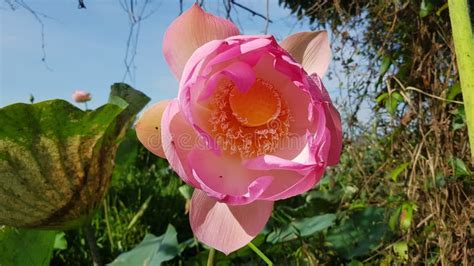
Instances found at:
x=178 y=139
x=240 y=73
x=190 y=31
x=310 y=49
x=227 y=228
x=148 y=128
x=225 y=179
x=192 y=69
x=286 y=185
x=333 y=123
x=282 y=189
x=297 y=99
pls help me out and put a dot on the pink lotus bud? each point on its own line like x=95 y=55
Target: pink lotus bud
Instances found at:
x=81 y=96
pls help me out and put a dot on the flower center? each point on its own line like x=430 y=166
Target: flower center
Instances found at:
x=257 y=106
x=249 y=124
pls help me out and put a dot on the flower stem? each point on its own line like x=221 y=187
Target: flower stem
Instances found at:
x=91 y=241
x=210 y=258
x=464 y=45
x=260 y=254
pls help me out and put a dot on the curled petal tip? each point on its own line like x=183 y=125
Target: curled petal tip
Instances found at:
x=148 y=128
x=190 y=31
x=311 y=50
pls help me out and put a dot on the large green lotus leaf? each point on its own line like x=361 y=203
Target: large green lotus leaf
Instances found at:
x=56 y=160
x=151 y=251
x=362 y=232
x=302 y=228
x=26 y=247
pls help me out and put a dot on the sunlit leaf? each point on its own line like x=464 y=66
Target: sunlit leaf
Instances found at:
x=56 y=160
x=186 y=191
x=425 y=8
x=381 y=97
x=401 y=249
x=385 y=65
x=453 y=91
x=392 y=101
x=460 y=168
x=60 y=241
x=397 y=171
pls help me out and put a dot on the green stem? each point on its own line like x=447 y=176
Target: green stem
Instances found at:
x=210 y=258
x=464 y=46
x=92 y=242
x=260 y=254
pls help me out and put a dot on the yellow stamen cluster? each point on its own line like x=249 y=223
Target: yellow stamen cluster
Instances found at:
x=250 y=123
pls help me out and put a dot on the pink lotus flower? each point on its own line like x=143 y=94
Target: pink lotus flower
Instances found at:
x=81 y=96
x=252 y=123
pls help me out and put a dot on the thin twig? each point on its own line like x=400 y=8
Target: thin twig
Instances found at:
x=136 y=14
x=409 y=88
x=37 y=15
x=267 y=20
x=250 y=10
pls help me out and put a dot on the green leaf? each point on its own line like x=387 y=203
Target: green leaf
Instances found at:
x=303 y=228
x=60 y=241
x=129 y=99
x=453 y=91
x=355 y=263
x=459 y=120
x=152 y=250
x=460 y=168
x=425 y=8
x=398 y=170
x=401 y=249
x=26 y=247
x=127 y=153
x=56 y=160
x=362 y=232
x=186 y=191
x=406 y=216
x=385 y=65
x=394 y=218
x=392 y=101
x=381 y=97
x=309 y=226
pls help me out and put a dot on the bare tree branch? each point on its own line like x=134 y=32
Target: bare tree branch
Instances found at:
x=13 y=4
x=137 y=12
x=81 y=4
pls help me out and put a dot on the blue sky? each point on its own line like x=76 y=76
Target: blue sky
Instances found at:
x=85 y=49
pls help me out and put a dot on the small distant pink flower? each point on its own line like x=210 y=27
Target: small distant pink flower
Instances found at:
x=252 y=123
x=81 y=96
